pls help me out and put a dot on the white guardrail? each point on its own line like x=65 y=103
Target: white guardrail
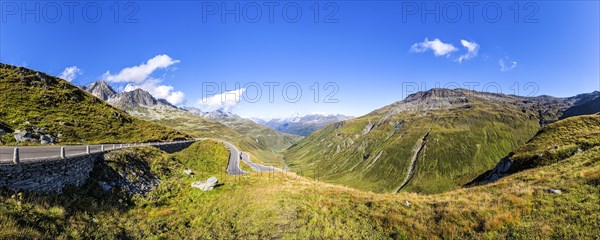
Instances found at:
x=61 y=152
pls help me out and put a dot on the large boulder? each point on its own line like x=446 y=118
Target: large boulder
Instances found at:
x=23 y=136
x=207 y=185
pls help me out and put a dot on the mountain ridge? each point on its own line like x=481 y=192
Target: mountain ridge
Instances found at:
x=470 y=132
x=302 y=125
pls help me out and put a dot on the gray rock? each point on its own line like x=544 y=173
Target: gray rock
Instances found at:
x=188 y=172
x=22 y=136
x=553 y=191
x=101 y=89
x=368 y=128
x=407 y=203
x=207 y=185
x=105 y=186
x=47 y=139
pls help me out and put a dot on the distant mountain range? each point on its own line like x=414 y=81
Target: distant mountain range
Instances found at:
x=302 y=125
x=262 y=134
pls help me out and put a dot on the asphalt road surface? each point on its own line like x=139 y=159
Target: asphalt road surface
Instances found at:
x=233 y=167
x=37 y=152
x=257 y=167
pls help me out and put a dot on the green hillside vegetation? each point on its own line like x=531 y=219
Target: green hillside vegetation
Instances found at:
x=198 y=126
x=285 y=205
x=32 y=99
x=466 y=133
x=558 y=141
x=265 y=137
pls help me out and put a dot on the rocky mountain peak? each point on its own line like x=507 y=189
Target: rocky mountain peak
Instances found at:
x=100 y=89
x=137 y=97
x=129 y=99
x=437 y=93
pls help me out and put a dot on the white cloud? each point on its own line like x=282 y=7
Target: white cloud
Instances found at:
x=226 y=100
x=140 y=77
x=438 y=47
x=141 y=73
x=472 y=49
x=176 y=98
x=506 y=65
x=70 y=73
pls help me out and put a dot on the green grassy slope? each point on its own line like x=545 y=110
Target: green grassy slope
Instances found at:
x=284 y=205
x=558 y=141
x=468 y=133
x=198 y=126
x=265 y=137
x=29 y=98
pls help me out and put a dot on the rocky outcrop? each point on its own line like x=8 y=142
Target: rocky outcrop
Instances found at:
x=126 y=173
x=136 y=98
x=207 y=185
x=34 y=134
x=500 y=170
x=585 y=104
x=413 y=163
x=396 y=128
x=133 y=99
x=547 y=108
x=100 y=89
x=368 y=128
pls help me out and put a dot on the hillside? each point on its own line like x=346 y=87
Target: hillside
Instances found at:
x=277 y=141
x=264 y=136
x=551 y=144
x=430 y=142
x=284 y=205
x=37 y=107
x=589 y=104
x=263 y=145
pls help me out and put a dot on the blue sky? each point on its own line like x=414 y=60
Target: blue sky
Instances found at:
x=367 y=53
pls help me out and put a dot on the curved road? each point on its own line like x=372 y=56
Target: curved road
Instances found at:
x=257 y=167
x=233 y=167
x=32 y=153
